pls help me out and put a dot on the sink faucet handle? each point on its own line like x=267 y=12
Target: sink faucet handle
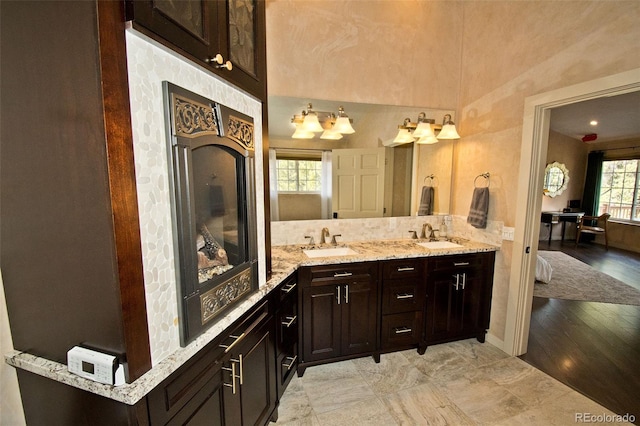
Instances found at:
x=414 y=236
x=311 y=240
x=333 y=239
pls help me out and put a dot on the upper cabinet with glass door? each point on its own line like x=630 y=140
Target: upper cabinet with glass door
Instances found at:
x=227 y=37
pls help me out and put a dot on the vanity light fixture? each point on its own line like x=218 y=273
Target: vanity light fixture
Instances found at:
x=420 y=132
x=331 y=134
x=310 y=122
x=343 y=123
x=404 y=133
x=300 y=133
x=448 y=129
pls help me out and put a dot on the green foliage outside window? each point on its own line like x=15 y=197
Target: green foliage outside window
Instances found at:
x=619 y=189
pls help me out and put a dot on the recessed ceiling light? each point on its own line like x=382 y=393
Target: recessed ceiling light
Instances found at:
x=593 y=122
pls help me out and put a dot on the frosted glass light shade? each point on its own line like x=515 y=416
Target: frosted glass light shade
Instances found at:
x=302 y=134
x=311 y=123
x=331 y=134
x=343 y=125
x=403 y=136
x=423 y=130
x=426 y=140
x=448 y=132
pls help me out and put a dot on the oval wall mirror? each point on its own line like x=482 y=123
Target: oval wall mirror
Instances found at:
x=556 y=178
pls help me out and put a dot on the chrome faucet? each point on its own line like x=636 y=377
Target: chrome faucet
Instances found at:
x=324 y=234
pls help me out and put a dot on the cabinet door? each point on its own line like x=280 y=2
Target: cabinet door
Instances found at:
x=245 y=45
x=440 y=307
x=255 y=388
x=321 y=322
x=454 y=309
x=190 y=25
x=468 y=303
x=205 y=408
x=359 y=314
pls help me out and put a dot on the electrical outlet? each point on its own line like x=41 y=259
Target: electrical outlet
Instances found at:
x=508 y=233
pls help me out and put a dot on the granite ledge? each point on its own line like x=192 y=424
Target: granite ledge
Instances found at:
x=285 y=260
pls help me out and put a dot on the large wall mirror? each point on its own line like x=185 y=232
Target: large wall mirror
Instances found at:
x=306 y=168
x=556 y=178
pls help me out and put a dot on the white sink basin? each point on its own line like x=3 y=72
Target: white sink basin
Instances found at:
x=439 y=244
x=329 y=252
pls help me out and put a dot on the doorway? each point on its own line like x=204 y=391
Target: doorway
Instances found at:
x=535 y=135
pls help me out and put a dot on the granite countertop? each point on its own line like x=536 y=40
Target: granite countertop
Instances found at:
x=285 y=260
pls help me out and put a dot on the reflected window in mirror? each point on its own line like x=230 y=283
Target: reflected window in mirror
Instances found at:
x=556 y=178
x=300 y=184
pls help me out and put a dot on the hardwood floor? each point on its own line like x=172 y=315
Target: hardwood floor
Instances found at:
x=592 y=347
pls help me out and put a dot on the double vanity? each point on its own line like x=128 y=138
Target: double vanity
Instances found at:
x=371 y=298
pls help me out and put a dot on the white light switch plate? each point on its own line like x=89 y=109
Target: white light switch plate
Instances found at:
x=508 y=233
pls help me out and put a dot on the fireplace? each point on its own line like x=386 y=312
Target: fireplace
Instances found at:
x=214 y=222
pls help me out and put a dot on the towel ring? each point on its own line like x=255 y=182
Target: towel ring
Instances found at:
x=431 y=179
x=484 y=175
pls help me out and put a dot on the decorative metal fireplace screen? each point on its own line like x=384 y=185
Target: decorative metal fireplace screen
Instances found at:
x=213 y=181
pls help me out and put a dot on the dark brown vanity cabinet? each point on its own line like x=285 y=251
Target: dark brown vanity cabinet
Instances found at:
x=226 y=36
x=232 y=382
x=403 y=296
x=287 y=332
x=459 y=292
x=339 y=312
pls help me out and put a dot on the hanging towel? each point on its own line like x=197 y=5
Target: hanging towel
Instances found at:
x=479 y=208
x=426 y=201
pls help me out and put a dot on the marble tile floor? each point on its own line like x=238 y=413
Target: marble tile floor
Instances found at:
x=460 y=383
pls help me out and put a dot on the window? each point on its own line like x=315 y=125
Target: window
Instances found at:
x=299 y=175
x=619 y=195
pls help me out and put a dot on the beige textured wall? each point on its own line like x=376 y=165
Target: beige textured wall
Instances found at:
x=482 y=58
x=385 y=52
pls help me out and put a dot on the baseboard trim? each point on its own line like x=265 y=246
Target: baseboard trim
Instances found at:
x=498 y=343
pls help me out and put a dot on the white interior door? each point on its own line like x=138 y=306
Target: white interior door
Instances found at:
x=358 y=182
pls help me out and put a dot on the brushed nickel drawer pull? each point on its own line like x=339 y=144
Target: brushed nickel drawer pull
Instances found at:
x=404 y=296
x=291 y=363
x=460 y=263
x=290 y=322
x=406 y=269
x=342 y=274
x=402 y=330
x=235 y=342
x=287 y=289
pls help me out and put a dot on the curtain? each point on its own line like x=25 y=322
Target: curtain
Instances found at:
x=326 y=185
x=591 y=195
x=273 y=185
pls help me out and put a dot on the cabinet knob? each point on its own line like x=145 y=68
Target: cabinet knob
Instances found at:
x=218 y=59
x=218 y=62
x=228 y=65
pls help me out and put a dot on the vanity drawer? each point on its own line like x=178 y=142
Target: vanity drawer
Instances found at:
x=326 y=274
x=466 y=261
x=402 y=268
x=403 y=295
x=401 y=329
